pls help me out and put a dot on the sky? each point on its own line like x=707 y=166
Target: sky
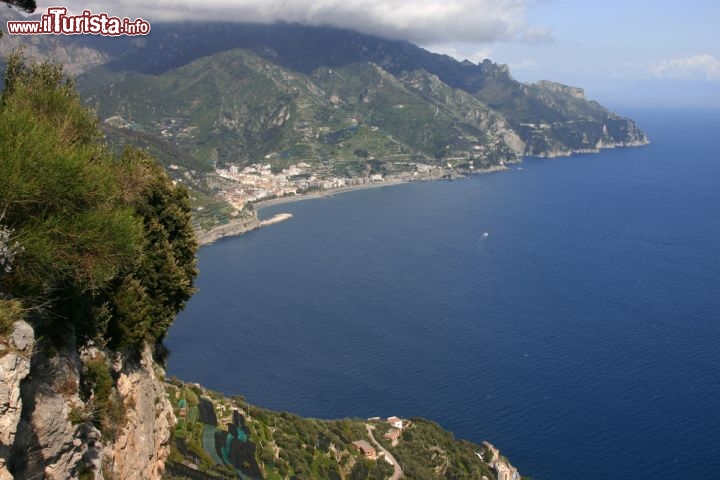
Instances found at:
x=632 y=52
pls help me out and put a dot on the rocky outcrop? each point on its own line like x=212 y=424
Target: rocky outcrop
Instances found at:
x=230 y=229
x=574 y=92
x=143 y=443
x=52 y=440
x=47 y=428
x=15 y=352
x=502 y=466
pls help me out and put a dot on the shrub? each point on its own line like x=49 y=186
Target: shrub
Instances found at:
x=107 y=246
x=96 y=389
x=75 y=415
x=10 y=312
x=58 y=194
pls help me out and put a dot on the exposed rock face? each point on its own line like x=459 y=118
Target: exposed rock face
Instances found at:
x=143 y=443
x=48 y=445
x=15 y=352
x=45 y=426
x=54 y=446
x=501 y=465
x=575 y=92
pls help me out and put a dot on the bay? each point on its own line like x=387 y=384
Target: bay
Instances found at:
x=565 y=310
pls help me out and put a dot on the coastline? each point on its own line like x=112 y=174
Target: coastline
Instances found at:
x=233 y=228
x=367 y=186
x=328 y=193
x=239 y=227
x=236 y=228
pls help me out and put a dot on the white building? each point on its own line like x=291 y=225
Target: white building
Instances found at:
x=395 y=422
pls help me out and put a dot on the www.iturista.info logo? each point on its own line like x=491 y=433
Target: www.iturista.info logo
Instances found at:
x=57 y=22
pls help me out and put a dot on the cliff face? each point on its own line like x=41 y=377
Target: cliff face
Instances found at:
x=15 y=353
x=574 y=92
x=47 y=430
x=502 y=466
x=143 y=443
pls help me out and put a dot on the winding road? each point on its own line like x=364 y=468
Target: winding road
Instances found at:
x=397 y=471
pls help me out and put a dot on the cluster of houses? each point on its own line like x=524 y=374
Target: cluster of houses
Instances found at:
x=257 y=182
x=396 y=428
x=397 y=425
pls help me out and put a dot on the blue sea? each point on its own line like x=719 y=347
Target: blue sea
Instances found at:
x=567 y=310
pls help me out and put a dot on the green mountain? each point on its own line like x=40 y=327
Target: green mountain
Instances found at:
x=236 y=107
x=241 y=93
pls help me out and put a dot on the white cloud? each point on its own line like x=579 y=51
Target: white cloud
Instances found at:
x=461 y=52
x=537 y=35
x=419 y=21
x=697 y=67
x=480 y=55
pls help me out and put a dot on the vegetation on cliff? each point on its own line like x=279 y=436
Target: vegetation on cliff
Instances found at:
x=97 y=253
x=217 y=437
x=102 y=247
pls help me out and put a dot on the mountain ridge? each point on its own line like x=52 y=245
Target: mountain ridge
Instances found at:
x=572 y=122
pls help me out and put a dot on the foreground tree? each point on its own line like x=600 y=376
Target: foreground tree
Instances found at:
x=149 y=295
x=105 y=247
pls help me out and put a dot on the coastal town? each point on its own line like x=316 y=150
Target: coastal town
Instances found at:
x=249 y=188
x=258 y=182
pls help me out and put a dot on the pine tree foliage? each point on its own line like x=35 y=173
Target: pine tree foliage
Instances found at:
x=105 y=244
x=57 y=188
x=150 y=295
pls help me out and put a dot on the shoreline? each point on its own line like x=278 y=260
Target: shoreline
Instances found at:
x=236 y=228
x=368 y=186
x=327 y=193
x=239 y=227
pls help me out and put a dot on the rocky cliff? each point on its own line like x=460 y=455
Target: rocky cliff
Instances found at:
x=143 y=443
x=48 y=426
x=15 y=352
x=230 y=229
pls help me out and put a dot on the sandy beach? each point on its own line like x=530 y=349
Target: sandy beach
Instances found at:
x=386 y=183
x=327 y=193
